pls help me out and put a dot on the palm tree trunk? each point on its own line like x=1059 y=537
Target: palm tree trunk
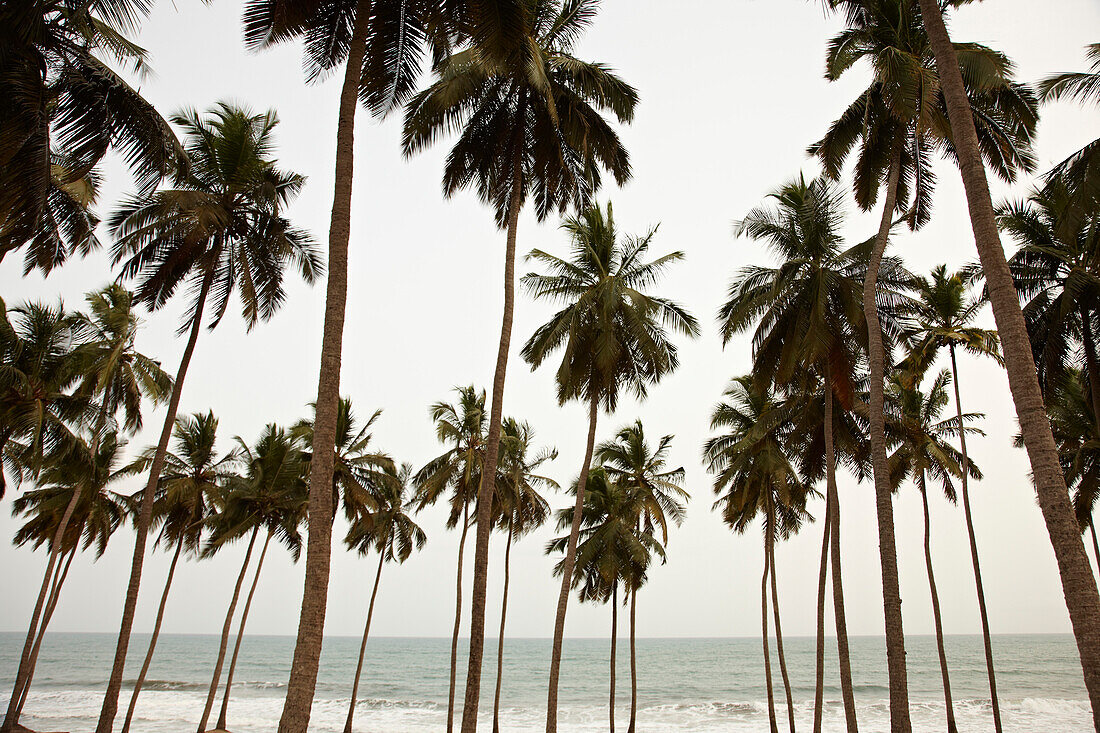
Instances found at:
x=1095 y=544
x=567 y=571
x=822 y=574
x=846 y=691
x=153 y=640
x=500 y=636
x=936 y=617
x=779 y=642
x=51 y=604
x=225 y=633
x=884 y=496
x=986 y=640
x=458 y=618
x=1078 y=582
x=311 y=621
x=114 y=684
x=1092 y=362
x=489 y=471
x=633 y=662
x=240 y=635
x=614 y=638
x=764 y=626
x=363 y=646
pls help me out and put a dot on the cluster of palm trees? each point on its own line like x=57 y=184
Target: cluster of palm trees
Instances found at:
x=845 y=338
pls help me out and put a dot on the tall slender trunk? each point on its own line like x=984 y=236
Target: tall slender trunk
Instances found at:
x=1095 y=544
x=567 y=571
x=226 y=627
x=822 y=574
x=51 y=604
x=884 y=495
x=779 y=642
x=764 y=625
x=986 y=640
x=633 y=662
x=614 y=638
x=489 y=471
x=363 y=645
x=936 y=617
x=1078 y=582
x=500 y=636
x=311 y=621
x=152 y=640
x=240 y=636
x=846 y=692
x=114 y=684
x=458 y=617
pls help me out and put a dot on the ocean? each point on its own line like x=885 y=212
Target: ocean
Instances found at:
x=713 y=685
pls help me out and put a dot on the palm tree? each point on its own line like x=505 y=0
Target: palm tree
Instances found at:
x=922 y=453
x=65 y=108
x=390 y=531
x=1078 y=583
x=522 y=510
x=271 y=494
x=98 y=513
x=899 y=122
x=754 y=474
x=629 y=461
x=222 y=225
x=534 y=125
x=190 y=486
x=943 y=316
x=1080 y=171
x=380 y=44
x=614 y=337
x=461 y=425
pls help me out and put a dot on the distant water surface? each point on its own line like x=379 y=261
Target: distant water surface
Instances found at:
x=712 y=685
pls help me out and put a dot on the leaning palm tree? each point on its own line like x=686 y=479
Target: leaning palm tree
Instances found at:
x=754 y=474
x=922 y=453
x=629 y=460
x=458 y=470
x=533 y=125
x=943 y=316
x=1078 y=582
x=190 y=486
x=614 y=336
x=899 y=124
x=271 y=495
x=389 y=530
x=221 y=226
x=522 y=511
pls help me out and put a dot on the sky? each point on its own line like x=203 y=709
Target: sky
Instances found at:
x=732 y=92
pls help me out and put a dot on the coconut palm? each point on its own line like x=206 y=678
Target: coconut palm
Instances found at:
x=190 y=486
x=458 y=470
x=531 y=126
x=754 y=474
x=922 y=454
x=65 y=107
x=1078 y=583
x=522 y=511
x=899 y=123
x=614 y=336
x=380 y=44
x=943 y=316
x=1080 y=171
x=629 y=461
x=389 y=530
x=270 y=494
x=220 y=227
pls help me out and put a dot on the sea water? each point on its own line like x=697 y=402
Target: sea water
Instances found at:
x=713 y=685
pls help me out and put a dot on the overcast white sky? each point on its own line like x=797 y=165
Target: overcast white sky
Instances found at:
x=732 y=93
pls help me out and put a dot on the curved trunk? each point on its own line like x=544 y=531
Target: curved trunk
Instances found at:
x=884 y=496
x=363 y=645
x=226 y=627
x=114 y=684
x=974 y=552
x=489 y=472
x=1078 y=582
x=822 y=574
x=779 y=642
x=948 y=705
x=500 y=636
x=153 y=639
x=240 y=636
x=458 y=618
x=614 y=637
x=51 y=604
x=567 y=572
x=633 y=663
x=764 y=625
x=311 y=621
